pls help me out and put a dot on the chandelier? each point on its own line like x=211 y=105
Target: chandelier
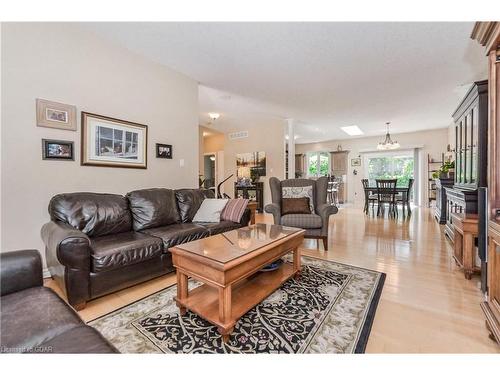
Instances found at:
x=388 y=143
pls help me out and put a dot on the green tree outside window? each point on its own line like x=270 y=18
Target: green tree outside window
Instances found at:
x=388 y=167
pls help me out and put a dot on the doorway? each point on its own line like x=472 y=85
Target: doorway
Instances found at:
x=209 y=171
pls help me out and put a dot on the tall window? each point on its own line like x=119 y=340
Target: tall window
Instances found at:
x=318 y=164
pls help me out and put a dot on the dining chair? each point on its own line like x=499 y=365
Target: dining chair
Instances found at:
x=386 y=194
x=404 y=197
x=369 y=197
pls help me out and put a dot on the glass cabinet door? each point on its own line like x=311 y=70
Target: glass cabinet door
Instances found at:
x=463 y=148
x=474 y=145
x=458 y=139
x=468 y=147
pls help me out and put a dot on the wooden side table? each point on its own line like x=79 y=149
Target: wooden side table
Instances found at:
x=252 y=206
x=258 y=192
x=466 y=229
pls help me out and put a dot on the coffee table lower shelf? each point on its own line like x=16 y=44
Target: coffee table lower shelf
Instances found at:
x=245 y=294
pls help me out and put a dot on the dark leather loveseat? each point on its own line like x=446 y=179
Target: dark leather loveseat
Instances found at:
x=99 y=243
x=33 y=318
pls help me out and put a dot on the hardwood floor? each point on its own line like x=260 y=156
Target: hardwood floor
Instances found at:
x=427 y=306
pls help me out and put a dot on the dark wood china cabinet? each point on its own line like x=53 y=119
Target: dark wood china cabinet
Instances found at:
x=488 y=34
x=471 y=142
x=440 y=209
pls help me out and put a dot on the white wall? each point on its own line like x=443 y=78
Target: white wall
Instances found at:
x=434 y=142
x=64 y=63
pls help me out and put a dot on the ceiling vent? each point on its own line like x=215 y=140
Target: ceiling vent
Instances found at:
x=238 y=135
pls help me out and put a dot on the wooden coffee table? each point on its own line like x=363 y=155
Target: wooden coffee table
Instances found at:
x=228 y=265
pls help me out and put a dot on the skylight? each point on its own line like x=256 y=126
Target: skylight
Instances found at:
x=352 y=130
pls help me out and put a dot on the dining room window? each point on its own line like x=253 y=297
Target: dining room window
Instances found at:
x=390 y=165
x=318 y=164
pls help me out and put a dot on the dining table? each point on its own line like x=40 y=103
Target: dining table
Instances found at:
x=403 y=190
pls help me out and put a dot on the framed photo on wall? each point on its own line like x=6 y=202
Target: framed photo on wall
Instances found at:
x=55 y=115
x=251 y=165
x=163 y=151
x=57 y=150
x=110 y=142
x=356 y=162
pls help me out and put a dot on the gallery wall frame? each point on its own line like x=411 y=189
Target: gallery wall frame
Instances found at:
x=112 y=142
x=55 y=115
x=163 y=151
x=53 y=149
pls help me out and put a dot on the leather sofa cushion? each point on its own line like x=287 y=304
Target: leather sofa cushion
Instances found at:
x=94 y=214
x=221 y=227
x=189 y=201
x=32 y=316
x=119 y=250
x=153 y=208
x=177 y=234
x=83 y=339
x=304 y=221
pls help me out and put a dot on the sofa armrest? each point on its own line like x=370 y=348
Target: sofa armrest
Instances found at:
x=20 y=270
x=245 y=218
x=68 y=259
x=325 y=210
x=275 y=209
x=68 y=245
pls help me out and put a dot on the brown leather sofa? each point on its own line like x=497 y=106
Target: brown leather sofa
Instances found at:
x=33 y=318
x=99 y=243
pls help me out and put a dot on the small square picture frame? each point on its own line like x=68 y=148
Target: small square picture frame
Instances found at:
x=163 y=151
x=53 y=149
x=356 y=162
x=55 y=115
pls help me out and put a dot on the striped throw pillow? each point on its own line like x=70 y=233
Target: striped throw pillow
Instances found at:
x=234 y=210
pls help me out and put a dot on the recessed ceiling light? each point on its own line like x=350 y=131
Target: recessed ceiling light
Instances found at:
x=352 y=130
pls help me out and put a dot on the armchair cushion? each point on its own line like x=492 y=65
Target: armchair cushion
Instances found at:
x=82 y=339
x=295 y=206
x=20 y=270
x=304 y=221
x=299 y=192
x=33 y=316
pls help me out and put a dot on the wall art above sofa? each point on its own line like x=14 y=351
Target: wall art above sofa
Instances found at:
x=110 y=142
x=55 y=115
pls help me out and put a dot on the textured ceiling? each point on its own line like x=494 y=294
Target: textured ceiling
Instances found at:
x=324 y=75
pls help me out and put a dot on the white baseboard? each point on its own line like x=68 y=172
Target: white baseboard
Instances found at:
x=46 y=273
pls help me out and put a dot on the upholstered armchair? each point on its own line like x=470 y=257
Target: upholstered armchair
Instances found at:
x=316 y=223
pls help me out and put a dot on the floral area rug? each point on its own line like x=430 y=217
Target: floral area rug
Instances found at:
x=329 y=309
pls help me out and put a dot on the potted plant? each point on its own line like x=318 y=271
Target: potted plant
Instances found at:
x=447 y=170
